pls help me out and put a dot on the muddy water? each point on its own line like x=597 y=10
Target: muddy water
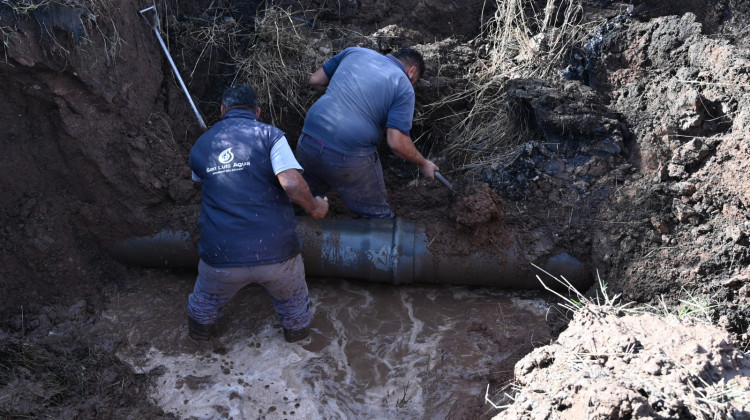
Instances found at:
x=375 y=351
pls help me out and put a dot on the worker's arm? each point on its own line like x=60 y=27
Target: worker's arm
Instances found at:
x=298 y=191
x=404 y=148
x=319 y=80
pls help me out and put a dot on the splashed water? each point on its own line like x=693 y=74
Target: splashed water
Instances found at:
x=375 y=350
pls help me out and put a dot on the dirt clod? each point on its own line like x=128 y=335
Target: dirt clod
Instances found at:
x=477 y=204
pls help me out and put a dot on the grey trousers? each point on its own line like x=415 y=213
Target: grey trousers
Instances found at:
x=284 y=282
x=358 y=180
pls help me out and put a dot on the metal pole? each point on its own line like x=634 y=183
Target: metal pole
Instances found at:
x=174 y=67
x=444 y=181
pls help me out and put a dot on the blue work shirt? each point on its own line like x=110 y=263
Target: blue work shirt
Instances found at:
x=367 y=92
x=246 y=217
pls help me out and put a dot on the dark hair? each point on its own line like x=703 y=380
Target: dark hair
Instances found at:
x=240 y=94
x=411 y=57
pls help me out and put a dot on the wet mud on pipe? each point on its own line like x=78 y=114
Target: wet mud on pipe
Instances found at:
x=392 y=251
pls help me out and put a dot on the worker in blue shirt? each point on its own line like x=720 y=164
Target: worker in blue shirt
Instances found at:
x=249 y=178
x=364 y=92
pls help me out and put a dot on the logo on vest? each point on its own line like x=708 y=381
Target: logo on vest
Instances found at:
x=226 y=156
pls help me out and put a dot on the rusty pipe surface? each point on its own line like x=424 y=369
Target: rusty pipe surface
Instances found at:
x=382 y=250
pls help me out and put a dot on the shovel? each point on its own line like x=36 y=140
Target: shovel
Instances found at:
x=444 y=181
x=174 y=67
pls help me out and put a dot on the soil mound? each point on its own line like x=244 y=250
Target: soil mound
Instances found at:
x=646 y=366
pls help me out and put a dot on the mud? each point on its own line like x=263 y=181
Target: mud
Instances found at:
x=639 y=169
x=374 y=352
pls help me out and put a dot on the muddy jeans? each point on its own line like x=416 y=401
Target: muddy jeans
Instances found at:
x=358 y=180
x=284 y=281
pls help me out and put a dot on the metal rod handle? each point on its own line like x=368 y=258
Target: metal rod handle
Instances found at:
x=174 y=67
x=445 y=182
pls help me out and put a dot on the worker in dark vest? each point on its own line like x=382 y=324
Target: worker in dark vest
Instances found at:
x=249 y=178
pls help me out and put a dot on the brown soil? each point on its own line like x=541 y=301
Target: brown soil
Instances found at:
x=606 y=366
x=638 y=167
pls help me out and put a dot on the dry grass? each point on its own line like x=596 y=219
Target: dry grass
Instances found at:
x=704 y=400
x=286 y=48
x=531 y=38
x=280 y=61
x=6 y=33
x=22 y=7
x=485 y=133
x=275 y=53
x=99 y=31
x=70 y=380
x=18 y=9
x=98 y=23
x=524 y=38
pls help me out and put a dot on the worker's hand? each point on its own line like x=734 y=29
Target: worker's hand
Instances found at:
x=428 y=169
x=319 y=81
x=320 y=208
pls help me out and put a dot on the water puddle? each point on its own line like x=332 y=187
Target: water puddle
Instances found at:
x=375 y=351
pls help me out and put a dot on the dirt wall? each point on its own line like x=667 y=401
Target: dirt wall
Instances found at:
x=95 y=138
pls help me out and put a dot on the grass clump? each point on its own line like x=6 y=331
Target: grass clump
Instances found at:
x=21 y=7
x=619 y=361
x=70 y=381
x=79 y=23
x=280 y=62
x=524 y=39
x=273 y=49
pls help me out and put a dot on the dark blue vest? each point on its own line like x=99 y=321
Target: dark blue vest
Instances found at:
x=246 y=217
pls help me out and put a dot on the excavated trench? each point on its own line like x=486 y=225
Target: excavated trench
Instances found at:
x=416 y=339
x=415 y=317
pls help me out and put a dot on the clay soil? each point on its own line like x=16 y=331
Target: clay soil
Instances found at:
x=636 y=164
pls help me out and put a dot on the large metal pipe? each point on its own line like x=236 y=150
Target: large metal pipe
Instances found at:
x=383 y=250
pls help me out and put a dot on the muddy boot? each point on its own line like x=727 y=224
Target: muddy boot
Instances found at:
x=198 y=332
x=295 y=335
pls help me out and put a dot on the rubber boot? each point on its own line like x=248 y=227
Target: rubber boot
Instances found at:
x=197 y=331
x=295 y=335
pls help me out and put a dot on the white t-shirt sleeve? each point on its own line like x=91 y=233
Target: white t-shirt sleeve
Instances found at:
x=282 y=157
